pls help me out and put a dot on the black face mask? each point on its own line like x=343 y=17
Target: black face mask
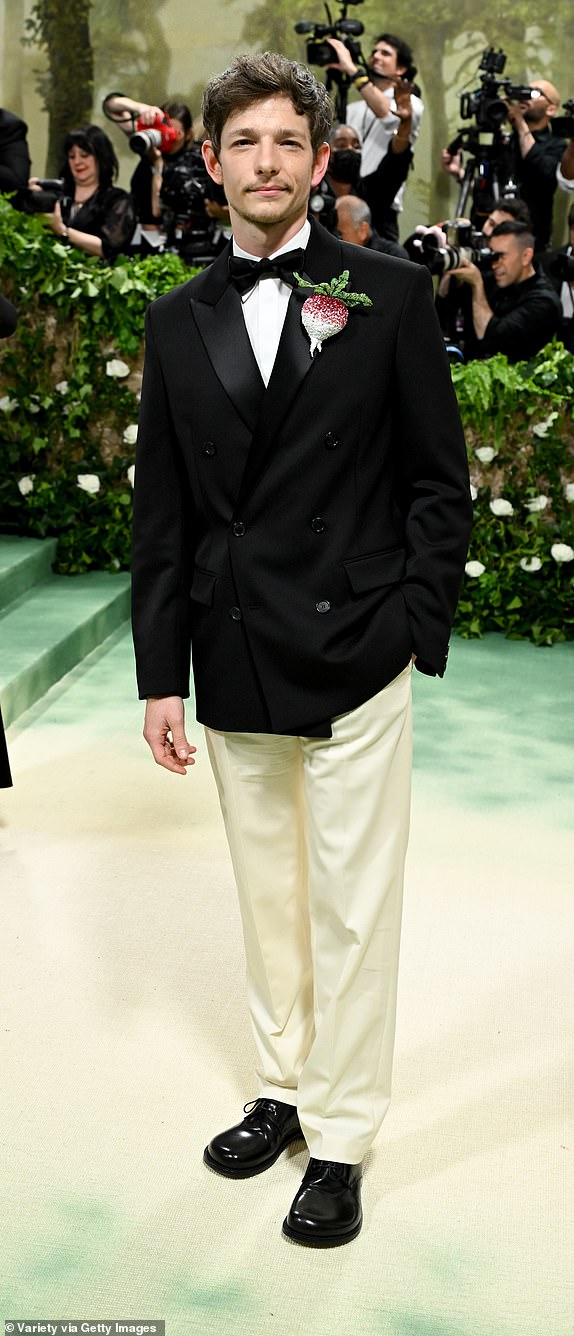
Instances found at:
x=345 y=165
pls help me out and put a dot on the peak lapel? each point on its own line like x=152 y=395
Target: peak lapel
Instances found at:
x=219 y=318
x=293 y=362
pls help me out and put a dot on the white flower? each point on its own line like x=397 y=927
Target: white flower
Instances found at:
x=131 y=434
x=531 y=564
x=117 y=369
x=475 y=568
x=501 y=507
x=131 y=474
x=562 y=552
x=485 y=453
x=62 y=387
x=542 y=428
x=26 y=485
x=89 y=482
x=569 y=491
x=537 y=503
x=7 y=405
x=473 y=492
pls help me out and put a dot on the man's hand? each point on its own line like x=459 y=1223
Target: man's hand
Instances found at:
x=404 y=106
x=164 y=731
x=344 y=61
x=468 y=273
x=451 y=163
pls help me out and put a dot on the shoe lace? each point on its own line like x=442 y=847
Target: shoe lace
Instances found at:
x=264 y=1106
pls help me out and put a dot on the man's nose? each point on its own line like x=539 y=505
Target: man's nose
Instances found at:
x=267 y=157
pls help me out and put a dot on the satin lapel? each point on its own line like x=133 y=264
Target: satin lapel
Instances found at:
x=219 y=318
x=293 y=362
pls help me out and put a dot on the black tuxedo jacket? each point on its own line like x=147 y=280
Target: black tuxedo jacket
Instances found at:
x=303 y=540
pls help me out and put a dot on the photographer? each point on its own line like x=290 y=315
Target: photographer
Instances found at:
x=559 y=267
x=531 y=157
x=354 y=224
x=523 y=312
x=147 y=179
x=565 y=168
x=92 y=214
x=387 y=119
x=14 y=156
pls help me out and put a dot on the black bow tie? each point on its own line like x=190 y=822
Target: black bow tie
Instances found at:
x=246 y=273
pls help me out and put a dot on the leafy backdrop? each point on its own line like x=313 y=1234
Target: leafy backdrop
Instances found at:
x=70 y=381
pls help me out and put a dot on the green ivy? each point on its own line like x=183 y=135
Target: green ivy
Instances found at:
x=62 y=416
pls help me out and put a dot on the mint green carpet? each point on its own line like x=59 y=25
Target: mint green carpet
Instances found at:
x=125 y=1044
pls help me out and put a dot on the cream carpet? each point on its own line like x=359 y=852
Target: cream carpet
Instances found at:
x=125 y=1044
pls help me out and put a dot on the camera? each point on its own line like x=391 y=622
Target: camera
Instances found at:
x=563 y=267
x=160 y=135
x=319 y=52
x=440 y=257
x=44 y=200
x=486 y=105
x=186 y=186
x=564 y=125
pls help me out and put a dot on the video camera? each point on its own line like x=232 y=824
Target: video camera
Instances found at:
x=185 y=188
x=319 y=51
x=160 y=135
x=488 y=105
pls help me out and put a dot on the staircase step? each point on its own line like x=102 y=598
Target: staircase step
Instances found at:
x=52 y=628
x=23 y=562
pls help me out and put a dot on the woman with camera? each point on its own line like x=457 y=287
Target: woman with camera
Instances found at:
x=92 y=215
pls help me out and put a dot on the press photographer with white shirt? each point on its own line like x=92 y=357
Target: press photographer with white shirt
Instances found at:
x=387 y=116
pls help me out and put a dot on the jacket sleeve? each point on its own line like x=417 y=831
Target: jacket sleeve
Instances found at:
x=433 y=472
x=162 y=549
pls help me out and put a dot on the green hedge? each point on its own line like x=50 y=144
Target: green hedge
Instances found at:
x=71 y=377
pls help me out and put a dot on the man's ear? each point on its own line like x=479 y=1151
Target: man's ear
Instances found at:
x=212 y=162
x=320 y=164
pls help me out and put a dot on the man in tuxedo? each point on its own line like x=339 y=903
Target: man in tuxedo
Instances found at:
x=301 y=522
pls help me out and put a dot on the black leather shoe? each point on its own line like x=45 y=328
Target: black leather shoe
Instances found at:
x=327 y=1208
x=256 y=1143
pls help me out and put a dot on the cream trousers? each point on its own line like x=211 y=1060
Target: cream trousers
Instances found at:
x=317 y=829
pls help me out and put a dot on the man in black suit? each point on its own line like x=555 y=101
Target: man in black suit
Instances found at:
x=301 y=521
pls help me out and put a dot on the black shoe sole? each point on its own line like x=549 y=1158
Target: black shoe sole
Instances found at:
x=321 y=1241
x=249 y=1171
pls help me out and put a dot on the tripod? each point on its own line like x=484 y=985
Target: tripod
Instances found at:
x=488 y=177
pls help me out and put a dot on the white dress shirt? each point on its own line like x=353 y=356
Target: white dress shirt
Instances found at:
x=265 y=305
x=376 y=132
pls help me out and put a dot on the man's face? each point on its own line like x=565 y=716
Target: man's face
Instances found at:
x=347 y=228
x=497 y=216
x=345 y=137
x=511 y=262
x=540 y=108
x=266 y=164
x=383 y=61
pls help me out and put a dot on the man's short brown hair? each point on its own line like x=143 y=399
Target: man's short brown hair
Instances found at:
x=250 y=79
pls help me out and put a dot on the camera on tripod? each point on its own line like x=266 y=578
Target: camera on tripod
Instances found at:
x=319 y=51
x=160 y=135
x=487 y=105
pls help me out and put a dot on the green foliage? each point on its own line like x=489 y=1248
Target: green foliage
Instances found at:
x=63 y=416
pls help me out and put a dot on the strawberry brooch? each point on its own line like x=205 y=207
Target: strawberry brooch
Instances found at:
x=327 y=311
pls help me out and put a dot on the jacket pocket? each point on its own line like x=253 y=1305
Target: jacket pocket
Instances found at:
x=376 y=570
x=203 y=587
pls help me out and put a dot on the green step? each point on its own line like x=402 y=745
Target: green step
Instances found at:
x=51 y=628
x=23 y=562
